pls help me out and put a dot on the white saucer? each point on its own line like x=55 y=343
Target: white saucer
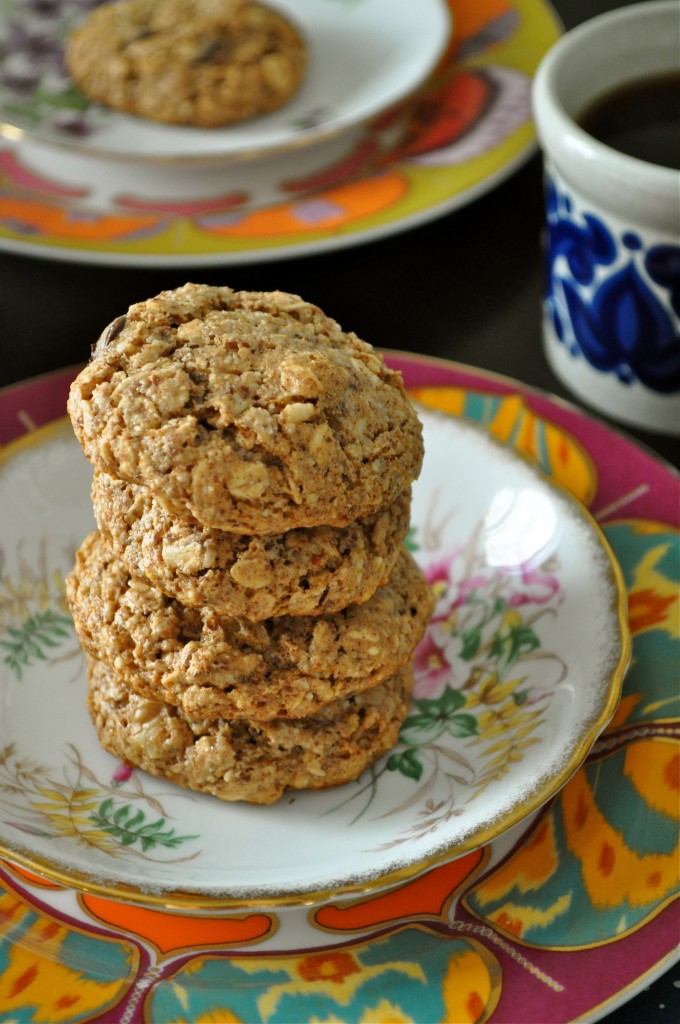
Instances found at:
x=520 y=671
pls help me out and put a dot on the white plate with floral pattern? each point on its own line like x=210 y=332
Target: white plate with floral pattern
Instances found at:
x=519 y=672
x=363 y=57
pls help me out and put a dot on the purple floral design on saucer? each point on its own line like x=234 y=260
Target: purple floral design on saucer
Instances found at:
x=35 y=86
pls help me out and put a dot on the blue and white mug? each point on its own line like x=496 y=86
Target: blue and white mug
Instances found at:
x=611 y=311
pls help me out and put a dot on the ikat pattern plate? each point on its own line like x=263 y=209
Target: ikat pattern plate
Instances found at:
x=562 y=918
x=520 y=670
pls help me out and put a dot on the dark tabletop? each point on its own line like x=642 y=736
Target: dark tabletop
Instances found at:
x=465 y=287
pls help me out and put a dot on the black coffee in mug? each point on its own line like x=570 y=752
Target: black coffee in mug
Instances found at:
x=640 y=118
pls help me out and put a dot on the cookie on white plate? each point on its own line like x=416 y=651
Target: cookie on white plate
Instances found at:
x=204 y=63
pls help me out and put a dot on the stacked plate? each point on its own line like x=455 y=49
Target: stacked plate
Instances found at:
x=506 y=702
x=505 y=709
x=487 y=861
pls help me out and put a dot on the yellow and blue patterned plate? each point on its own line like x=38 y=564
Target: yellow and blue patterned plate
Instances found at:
x=560 y=918
x=520 y=670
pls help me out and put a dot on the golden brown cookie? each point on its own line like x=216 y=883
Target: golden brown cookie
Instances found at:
x=213 y=666
x=194 y=62
x=312 y=571
x=246 y=760
x=251 y=412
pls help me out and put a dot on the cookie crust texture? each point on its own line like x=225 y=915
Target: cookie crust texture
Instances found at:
x=219 y=667
x=307 y=571
x=204 y=63
x=251 y=412
x=245 y=760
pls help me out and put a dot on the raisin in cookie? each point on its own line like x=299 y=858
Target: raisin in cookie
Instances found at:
x=251 y=412
x=213 y=666
x=312 y=571
x=244 y=760
x=194 y=62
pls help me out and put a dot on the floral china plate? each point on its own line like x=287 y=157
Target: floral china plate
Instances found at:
x=364 y=56
x=519 y=672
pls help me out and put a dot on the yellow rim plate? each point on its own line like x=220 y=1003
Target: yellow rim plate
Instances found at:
x=463 y=133
x=520 y=671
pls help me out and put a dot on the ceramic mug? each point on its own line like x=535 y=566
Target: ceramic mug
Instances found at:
x=611 y=311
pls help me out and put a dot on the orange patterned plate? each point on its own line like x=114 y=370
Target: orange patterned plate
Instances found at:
x=562 y=918
x=361 y=59
x=463 y=131
x=520 y=670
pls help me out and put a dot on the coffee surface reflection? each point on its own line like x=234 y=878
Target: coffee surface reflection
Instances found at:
x=640 y=118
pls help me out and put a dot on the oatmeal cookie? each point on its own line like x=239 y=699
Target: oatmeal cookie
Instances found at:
x=308 y=571
x=212 y=666
x=204 y=63
x=246 y=760
x=251 y=412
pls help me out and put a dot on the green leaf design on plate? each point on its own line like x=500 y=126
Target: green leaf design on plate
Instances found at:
x=511 y=644
x=28 y=641
x=129 y=826
x=411 y=540
x=435 y=717
x=407 y=762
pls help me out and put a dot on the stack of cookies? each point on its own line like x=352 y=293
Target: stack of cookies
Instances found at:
x=247 y=606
